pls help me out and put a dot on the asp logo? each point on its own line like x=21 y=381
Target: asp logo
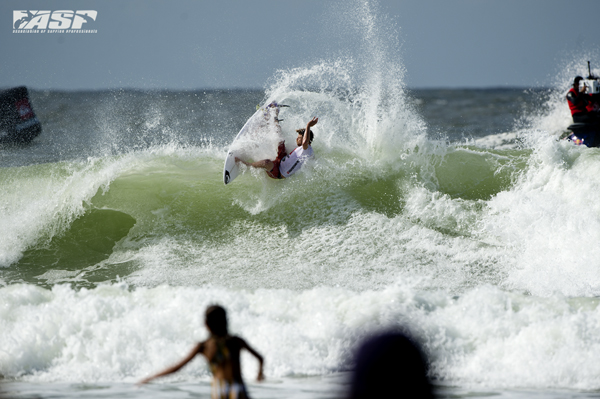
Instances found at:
x=60 y=21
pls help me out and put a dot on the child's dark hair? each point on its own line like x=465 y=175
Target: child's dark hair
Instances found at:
x=216 y=320
x=301 y=131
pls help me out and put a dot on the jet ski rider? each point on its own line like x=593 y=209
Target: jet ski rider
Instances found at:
x=580 y=104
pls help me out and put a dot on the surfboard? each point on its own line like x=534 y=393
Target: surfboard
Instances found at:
x=263 y=122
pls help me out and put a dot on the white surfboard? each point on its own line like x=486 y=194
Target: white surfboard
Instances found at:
x=263 y=122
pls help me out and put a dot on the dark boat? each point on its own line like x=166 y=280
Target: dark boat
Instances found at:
x=587 y=134
x=18 y=123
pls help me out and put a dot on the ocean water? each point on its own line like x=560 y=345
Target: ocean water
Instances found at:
x=457 y=214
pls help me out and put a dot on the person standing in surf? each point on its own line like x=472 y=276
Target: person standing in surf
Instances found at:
x=285 y=164
x=223 y=354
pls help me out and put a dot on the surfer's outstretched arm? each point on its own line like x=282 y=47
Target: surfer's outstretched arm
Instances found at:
x=306 y=137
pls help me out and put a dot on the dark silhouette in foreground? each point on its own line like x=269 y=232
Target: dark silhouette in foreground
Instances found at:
x=390 y=365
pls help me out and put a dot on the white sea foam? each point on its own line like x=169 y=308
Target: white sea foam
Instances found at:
x=550 y=221
x=486 y=337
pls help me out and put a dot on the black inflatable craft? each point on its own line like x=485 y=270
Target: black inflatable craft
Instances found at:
x=18 y=123
x=587 y=134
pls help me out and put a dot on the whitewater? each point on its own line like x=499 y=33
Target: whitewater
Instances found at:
x=459 y=215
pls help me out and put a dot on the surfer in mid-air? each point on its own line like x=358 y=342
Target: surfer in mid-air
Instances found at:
x=286 y=164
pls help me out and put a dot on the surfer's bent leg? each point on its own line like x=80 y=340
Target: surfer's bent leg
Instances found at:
x=271 y=167
x=266 y=164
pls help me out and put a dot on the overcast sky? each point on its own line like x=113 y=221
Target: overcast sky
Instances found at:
x=177 y=44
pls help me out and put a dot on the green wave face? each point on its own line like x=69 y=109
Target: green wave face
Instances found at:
x=88 y=242
x=154 y=199
x=475 y=174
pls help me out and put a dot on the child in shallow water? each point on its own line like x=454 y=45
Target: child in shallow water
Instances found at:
x=223 y=354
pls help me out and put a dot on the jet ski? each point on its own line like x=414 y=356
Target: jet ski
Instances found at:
x=588 y=134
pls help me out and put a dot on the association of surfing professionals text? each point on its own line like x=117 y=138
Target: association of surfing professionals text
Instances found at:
x=58 y=21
